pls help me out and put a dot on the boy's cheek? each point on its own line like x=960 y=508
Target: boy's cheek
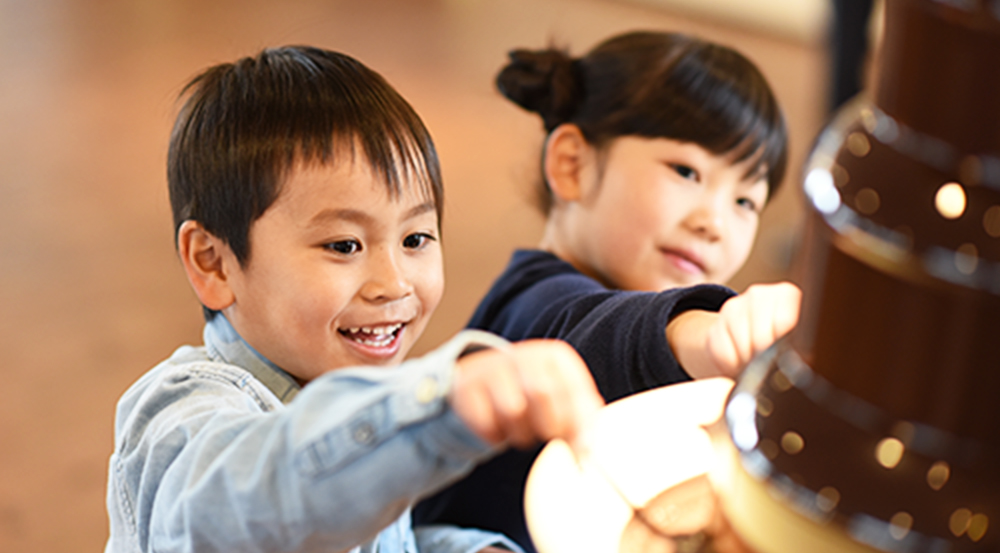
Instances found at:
x=432 y=281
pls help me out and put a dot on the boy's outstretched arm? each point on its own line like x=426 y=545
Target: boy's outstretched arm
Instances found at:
x=533 y=391
x=709 y=344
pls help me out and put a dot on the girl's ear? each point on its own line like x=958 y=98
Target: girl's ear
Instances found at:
x=207 y=261
x=566 y=154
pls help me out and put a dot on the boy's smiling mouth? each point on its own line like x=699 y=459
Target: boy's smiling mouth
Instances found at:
x=377 y=340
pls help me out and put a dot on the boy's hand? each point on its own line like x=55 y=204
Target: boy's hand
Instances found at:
x=535 y=391
x=713 y=344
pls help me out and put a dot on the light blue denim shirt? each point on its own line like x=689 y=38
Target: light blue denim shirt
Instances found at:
x=217 y=449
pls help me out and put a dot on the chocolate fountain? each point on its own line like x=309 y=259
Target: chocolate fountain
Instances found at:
x=875 y=425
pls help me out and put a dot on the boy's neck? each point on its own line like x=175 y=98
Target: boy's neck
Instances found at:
x=225 y=344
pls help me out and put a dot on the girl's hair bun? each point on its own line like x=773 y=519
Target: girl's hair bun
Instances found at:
x=542 y=81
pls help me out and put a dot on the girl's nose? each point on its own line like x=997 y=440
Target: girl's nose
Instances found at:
x=386 y=280
x=706 y=219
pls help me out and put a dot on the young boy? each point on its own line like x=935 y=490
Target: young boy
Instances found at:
x=307 y=198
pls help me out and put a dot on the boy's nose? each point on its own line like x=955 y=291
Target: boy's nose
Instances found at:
x=386 y=279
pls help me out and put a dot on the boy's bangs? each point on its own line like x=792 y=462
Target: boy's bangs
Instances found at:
x=404 y=161
x=397 y=158
x=350 y=106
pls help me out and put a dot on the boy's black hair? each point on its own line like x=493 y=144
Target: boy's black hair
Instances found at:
x=245 y=125
x=654 y=85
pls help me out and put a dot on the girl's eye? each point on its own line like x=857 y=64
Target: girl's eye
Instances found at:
x=417 y=240
x=684 y=171
x=747 y=203
x=344 y=247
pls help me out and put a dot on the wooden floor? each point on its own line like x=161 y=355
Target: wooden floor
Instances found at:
x=91 y=294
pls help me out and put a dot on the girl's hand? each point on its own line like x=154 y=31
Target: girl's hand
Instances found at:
x=535 y=391
x=721 y=344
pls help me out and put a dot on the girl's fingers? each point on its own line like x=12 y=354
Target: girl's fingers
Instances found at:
x=760 y=319
x=722 y=349
x=735 y=316
x=787 y=308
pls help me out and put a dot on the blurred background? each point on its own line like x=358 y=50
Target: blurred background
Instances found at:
x=91 y=293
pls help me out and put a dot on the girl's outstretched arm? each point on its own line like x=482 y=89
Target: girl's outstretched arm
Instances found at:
x=712 y=344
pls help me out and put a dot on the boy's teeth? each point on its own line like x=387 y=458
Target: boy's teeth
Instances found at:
x=374 y=335
x=379 y=330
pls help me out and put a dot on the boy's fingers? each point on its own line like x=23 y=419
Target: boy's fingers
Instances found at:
x=585 y=399
x=487 y=396
x=510 y=406
x=547 y=395
x=471 y=401
x=537 y=390
x=559 y=394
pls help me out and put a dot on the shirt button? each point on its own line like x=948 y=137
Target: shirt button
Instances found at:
x=364 y=433
x=427 y=389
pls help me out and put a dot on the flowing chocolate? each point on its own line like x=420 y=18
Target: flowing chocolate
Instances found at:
x=876 y=424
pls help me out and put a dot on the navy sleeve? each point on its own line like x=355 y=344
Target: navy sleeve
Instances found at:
x=620 y=335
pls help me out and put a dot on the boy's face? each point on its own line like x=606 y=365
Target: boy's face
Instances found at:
x=663 y=214
x=340 y=273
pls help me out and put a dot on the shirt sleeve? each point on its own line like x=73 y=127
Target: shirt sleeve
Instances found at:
x=620 y=334
x=202 y=469
x=442 y=538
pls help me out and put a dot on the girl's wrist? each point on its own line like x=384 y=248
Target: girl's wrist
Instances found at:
x=687 y=335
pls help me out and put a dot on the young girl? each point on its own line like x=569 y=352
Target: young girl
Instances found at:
x=662 y=150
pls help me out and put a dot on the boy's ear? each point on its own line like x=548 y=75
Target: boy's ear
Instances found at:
x=206 y=259
x=566 y=153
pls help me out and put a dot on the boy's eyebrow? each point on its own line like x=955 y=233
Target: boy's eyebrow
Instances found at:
x=351 y=215
x=420 y=210
x=360 y=217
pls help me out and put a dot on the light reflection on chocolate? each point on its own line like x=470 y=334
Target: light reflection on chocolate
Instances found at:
x=950 y=200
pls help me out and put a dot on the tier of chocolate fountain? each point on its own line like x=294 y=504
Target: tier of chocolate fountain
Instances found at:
x=875 y=426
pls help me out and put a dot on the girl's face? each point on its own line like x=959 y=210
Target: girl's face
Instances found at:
x=657 y=213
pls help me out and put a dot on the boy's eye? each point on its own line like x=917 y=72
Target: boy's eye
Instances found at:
x=684 y=171
x=345 y=247
x=417 y=240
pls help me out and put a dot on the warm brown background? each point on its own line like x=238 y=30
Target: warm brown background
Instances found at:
x=91 y=294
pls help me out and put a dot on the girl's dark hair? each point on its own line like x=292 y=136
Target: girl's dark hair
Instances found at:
x=654 y=85
x=246 y=124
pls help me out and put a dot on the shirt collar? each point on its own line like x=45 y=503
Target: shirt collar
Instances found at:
x=224 y=344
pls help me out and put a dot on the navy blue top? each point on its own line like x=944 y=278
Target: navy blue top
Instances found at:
x=620 y=335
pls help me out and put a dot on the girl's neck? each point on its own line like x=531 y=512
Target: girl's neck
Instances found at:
x=556 y=239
